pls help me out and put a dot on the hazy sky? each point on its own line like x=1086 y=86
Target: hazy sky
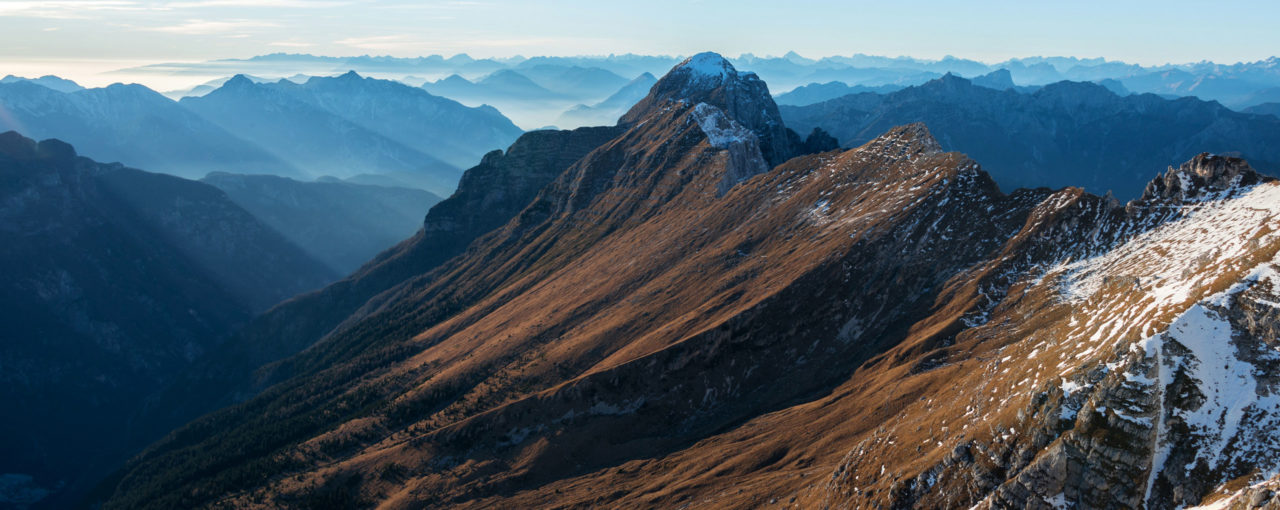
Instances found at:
x=118 y=31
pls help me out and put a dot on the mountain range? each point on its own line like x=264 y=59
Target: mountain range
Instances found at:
x=690 y=305
x=133 y=125
x=115 y=281
x=343 y=126
x=48 y=81
x=1063 y=134
x=350 y=125
x=532 y=94
x=1231 y=84
x=699 y=309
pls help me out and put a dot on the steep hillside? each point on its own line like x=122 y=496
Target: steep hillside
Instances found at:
x=115 y=281
x=677 y=321
x=488 y=196
x=1065 y=134
x=640 y=192
x=341 y=224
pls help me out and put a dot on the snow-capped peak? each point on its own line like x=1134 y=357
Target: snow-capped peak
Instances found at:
x=708 y=64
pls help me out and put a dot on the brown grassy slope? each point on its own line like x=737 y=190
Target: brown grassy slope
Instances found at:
x=712 y=310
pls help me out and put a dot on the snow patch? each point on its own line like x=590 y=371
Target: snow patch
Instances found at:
x=709 y=65
x=742 y=145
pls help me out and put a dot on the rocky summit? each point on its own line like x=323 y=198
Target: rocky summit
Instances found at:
x=690 y=309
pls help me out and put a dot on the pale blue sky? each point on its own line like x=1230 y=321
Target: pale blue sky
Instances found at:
x=1147 y=32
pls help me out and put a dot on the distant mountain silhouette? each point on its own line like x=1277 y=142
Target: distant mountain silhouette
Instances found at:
x=606 y=113
x=50 y=81
x=1065 y=134
x=438 y=126
x=136 y=126
x=1265 y=109
x=208 y=86
x=819 y=92
x=349 y=125
x=575 y=81
x=534 y=92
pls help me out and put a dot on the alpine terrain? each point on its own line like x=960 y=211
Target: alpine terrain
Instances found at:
x=699 y=308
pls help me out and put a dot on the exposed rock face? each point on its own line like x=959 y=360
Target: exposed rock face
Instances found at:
x=709 y=78
x=1205 y=173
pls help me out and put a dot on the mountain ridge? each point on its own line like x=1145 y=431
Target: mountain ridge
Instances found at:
x=879 y=326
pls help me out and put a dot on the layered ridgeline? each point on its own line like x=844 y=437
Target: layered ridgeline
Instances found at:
x=345 y=126
x=605 y=113
x=134 y=125
x=675 y=320
x=348 y=125
x=339 y=223
x=115 y=280
x=1065 y=134
x=535 y=92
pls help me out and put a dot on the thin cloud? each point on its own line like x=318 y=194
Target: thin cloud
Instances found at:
x=65 y=9
x=384 y=42
x=206 y=27
x=292 y=4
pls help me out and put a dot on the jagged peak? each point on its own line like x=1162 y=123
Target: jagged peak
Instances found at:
x=703 y=78
x=1202 y=174
x=910 y=141
x=709 y=78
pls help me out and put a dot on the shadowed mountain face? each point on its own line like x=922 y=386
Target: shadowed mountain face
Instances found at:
x=338 y=223
x=489 y=195
x=115 y=281
x=1272 y=109
x=1065 y=134
x=675 y=320
x=625 y=209
x=134 y=125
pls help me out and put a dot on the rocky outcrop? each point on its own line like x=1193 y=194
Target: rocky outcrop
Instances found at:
x=1206 y=173
x=711 y=79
